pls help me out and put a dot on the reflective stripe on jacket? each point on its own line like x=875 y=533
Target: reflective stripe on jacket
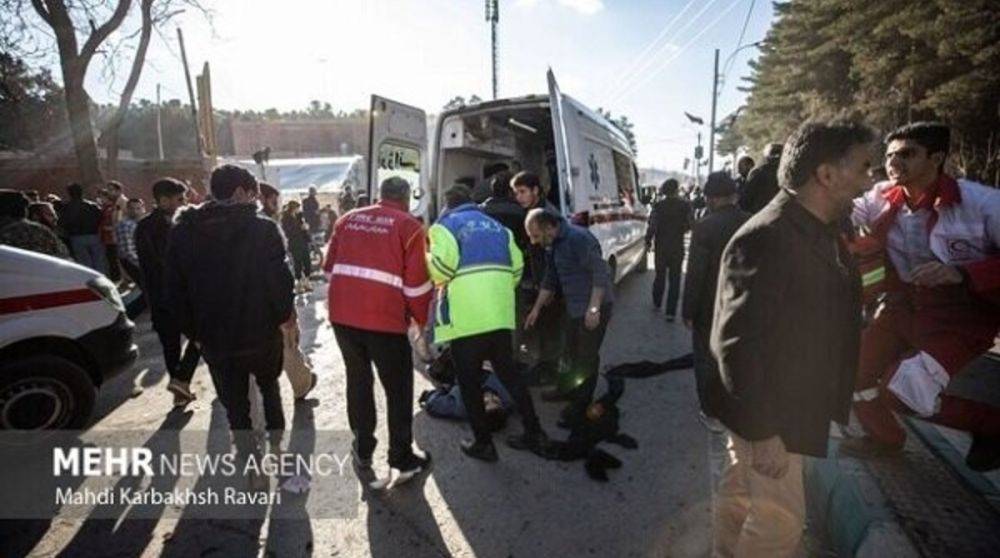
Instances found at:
x=378 y=276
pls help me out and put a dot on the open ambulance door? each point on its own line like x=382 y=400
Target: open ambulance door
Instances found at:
x=397 y=136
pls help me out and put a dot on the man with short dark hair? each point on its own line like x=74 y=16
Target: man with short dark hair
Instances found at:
x=669 y=220
x=502 y=206
x=310 y=211
x=577 y=269
x=476 y=265
x=17 y=231
x=150 y=237
x=81 y=220
x=230 y=287
x=378 y=287
x=709 y=237
x=529 y=194
x=941 y=309
x=762 y=182
x=785 y=335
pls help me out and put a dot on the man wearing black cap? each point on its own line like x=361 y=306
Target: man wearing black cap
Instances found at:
x=708 y=239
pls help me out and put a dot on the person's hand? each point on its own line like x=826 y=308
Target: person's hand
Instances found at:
x=529 y=321
x=688 y=324
x=770 y=457
x=592 y=320
x=935 y=274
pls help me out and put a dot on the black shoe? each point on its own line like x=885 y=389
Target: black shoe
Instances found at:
x=536 y=442
x=555 y=394
x=483 y=451
x=984 y=455
x=867 y=447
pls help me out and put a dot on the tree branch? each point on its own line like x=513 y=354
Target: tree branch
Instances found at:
x=102 y=32
x=137 y=63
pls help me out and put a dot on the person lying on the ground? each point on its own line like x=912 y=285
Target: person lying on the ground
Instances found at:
x=446 y=400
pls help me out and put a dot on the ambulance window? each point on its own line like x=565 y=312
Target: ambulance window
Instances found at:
x=404 y=162
x=625 y=177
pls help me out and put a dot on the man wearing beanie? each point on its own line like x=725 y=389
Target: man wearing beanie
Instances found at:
x=708 y=239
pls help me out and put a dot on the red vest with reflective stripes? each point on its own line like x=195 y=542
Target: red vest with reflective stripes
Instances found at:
x=378 y=273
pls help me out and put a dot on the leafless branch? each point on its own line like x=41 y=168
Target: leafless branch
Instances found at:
x=102 y=32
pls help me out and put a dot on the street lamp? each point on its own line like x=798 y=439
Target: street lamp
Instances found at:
x=715 y=99
x=493 y=16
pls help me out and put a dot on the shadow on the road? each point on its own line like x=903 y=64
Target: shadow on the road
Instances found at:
x=402 y=519
x=290 y=533
x=129 y=529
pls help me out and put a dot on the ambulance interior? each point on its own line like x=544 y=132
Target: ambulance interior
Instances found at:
x=476 y=144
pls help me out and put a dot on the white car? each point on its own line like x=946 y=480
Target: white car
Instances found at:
x=63 y=331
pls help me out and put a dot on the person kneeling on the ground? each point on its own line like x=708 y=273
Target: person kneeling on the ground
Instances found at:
x=942 y=305
x=476 y=265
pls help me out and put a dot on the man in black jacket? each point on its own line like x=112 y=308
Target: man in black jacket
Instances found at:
x=81 y=221
x=151 y=245
x=708 y=239
x=669 y=220
x=502 y=207
x=786 y=337
x=231 y=289
x=762 y=182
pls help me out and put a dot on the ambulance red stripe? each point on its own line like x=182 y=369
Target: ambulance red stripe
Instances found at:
x=41 y=301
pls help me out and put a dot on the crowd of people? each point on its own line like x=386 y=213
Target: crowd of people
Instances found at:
x=789 y=334
x=821 y=285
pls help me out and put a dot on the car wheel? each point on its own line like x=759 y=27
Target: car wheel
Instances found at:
x=44 y=392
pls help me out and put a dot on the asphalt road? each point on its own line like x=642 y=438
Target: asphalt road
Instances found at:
x=657 y=504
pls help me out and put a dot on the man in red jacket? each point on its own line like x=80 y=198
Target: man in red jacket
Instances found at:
x=378 y=285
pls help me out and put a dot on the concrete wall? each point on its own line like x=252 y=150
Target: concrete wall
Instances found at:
x=301 y=138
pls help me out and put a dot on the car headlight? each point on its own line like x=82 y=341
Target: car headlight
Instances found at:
x=107 y=291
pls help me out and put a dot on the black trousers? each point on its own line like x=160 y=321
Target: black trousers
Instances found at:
x=391 y=354
x=583 y=352
x=468 y=353
x=302 y=263
x=549 y=331
x=179 y=367
x=668 y=268
x=231 y=372
x=111 y=253
x=706 y=370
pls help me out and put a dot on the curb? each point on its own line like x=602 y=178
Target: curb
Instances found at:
x=845 y=502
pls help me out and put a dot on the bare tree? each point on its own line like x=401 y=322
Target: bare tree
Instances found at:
x=68 y=23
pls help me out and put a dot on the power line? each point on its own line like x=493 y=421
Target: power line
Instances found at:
x=622 y=85
x=674 y=56
x=739 y=42
x=639 y=58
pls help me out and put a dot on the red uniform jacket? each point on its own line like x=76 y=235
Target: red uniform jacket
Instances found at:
x=377 y=269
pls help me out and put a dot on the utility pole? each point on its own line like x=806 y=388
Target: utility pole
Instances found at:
x=715 y=99
x=159 y=123
x=493 y=16
x=194 y=107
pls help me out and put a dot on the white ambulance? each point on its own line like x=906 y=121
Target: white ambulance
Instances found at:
x=63 y=331
x=584 y=161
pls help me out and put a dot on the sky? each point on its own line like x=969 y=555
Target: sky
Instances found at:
x=649 y=60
